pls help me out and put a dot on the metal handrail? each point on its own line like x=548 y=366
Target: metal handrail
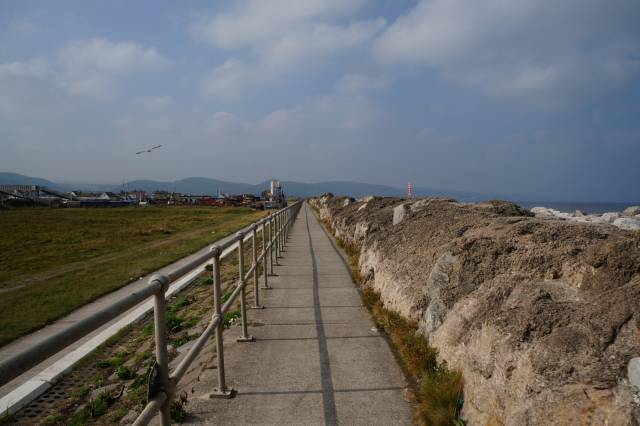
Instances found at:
x=275 y=226
x=275 y=229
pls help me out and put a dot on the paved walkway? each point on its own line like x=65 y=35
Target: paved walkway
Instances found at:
x=317 y=358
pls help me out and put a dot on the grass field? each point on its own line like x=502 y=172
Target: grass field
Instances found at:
x=55 y=260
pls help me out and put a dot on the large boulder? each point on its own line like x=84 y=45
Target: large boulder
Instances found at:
x=631 y=211
x=419 y=205
x=627 y=223
x=610 y=216
x=347 y=201
x=546 y=212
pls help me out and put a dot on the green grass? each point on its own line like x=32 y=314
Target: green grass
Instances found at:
x=124 y=373
x=230 y=317
x=60 y=259
x=93 y=410
x=439 y=390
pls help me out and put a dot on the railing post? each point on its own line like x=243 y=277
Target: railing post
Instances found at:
x=280 y=247
x=265 y=242
x=254 y=249
x=245 y=337
x=288 y=227
x=162 y=357
x=277 y=236
x=221 y=391
x=281 y=226
x=274 y=243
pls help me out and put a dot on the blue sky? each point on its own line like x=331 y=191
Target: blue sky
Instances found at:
x=532 y=97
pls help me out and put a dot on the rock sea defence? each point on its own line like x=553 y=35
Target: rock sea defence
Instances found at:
x=541 y=315
x=629 y=219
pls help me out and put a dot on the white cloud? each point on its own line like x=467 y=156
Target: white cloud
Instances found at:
x=545 y=51
x=91 y=64
x=154 y=103
x=317 y=40
x=229 y=79
x=30 y=94
x=33 y=68
x=113 y=57
x=279 y=38
x=359 y=83
x=258 y=22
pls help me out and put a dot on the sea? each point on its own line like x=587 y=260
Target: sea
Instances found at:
x=571 y=207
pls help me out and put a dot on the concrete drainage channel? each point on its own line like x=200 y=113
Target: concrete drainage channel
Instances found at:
x=127 y=355
x=275 y=228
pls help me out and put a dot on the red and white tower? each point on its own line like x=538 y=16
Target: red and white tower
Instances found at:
x=409 y=190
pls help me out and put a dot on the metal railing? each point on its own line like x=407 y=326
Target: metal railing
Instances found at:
x=162 y=384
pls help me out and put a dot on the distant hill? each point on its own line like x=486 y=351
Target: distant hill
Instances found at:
x=201 y=185
x=17 y=179
x=196 y=185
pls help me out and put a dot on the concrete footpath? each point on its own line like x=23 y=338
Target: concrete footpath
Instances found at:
x=317 y=358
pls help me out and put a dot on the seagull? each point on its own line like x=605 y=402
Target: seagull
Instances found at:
x=148 y=150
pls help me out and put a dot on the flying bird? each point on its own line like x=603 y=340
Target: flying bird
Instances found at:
x=148 y=150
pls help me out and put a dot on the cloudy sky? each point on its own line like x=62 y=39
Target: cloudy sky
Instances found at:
x=532 y=97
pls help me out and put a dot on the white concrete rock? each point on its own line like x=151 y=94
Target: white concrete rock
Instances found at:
x=346 y=202
x=614 y=218
x=399 y=213
x=627 y=223
x=419 y=205
x=610 y=216
x=631 y=211
x=542 y=212
x=547 y=212
x=366 y=199
x=590 y=219
x=633 y=372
